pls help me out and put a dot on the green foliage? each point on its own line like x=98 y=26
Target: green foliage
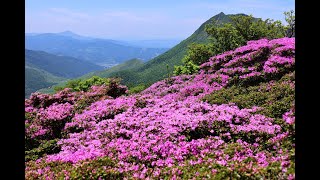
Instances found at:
x=272 y=29
x=290 y=19
x=115 y=89
x=213 y=170
x=45 y=147
x=81 y=104
x=196 y=55
x=141 y=103
x=100 y=168
x=253 y=29
x=275 y=99
x=187 y=68
x=168 y=72
x=138 y=88
x=36 y=79
x=225 y=37
x=61 y=66
x=242 y=29
x=83 y=84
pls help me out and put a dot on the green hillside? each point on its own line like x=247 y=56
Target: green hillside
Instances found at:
x=62 y=66
x=156 y=69
x=44 y=70
x=119 y=70
x=36 y=79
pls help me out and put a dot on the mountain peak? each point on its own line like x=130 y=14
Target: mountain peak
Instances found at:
x=68 y=33
x=74 y=35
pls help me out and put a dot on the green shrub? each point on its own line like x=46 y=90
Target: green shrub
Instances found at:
x=45 y=147
x=239 y=170
x=87 y=169
x=187 y=68
x=83 y=84
x=141 y=103
x=137 y=89
x=275 y=98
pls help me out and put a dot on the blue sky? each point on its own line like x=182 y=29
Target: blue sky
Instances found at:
x=140 y=19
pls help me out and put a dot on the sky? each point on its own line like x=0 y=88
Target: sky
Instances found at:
x=140 y=19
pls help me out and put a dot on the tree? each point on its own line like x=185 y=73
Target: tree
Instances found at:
x=197 y=54
x=250 y=28
x=290 y=19
x=224 y=37
x=274 y=29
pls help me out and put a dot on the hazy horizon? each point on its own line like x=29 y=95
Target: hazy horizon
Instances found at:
x=120 y=39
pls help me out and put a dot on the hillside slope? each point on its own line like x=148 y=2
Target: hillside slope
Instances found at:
x=124 y=68
x=235 y=119
x=43 y=70
x=127 y=65
x=36 y=79
x=62 y=66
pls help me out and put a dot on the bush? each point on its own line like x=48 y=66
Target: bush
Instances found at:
x=276 y=98
x=87 y=169
x=46 y=147
x=83 y=84
x=115 y=89
x=137 y=88
x=187 y=68
x=209 y=169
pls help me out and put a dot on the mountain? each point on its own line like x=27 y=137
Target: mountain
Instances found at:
x=104 y=52
x=62 y=66
x=155 y=69
x=74 y=35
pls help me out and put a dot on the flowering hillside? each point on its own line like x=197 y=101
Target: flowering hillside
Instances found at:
x=234 y=119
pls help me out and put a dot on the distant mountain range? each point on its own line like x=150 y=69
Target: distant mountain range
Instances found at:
x=104 y=52
x=155 y=69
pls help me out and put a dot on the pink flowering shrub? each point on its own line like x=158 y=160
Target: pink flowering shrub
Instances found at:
x=175 y=129
x=47 y=115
